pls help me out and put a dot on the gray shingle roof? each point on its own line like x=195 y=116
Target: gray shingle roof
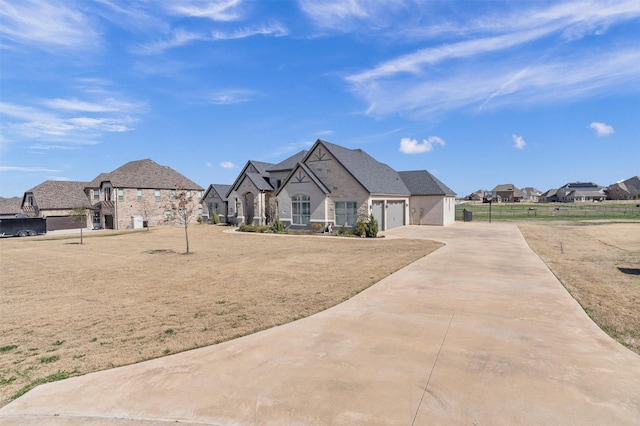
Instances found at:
x=375 y=177
x=145 y=174
x=53 y=194
x=288 y=163
x=421 y=182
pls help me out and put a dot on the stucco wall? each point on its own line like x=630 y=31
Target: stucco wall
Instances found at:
x=432 y=210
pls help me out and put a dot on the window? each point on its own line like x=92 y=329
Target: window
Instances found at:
x=139 y=194
x=200 y=196
x=346 y=213
x=279 y=183
x=96 y=194
x=188 y=195
x=211 y=209
x=173 y=194
x=120 y=194
x=158 y=195
x=301 y=209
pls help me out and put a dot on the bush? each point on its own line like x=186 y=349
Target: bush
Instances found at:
x=215 y=219
x=277 y=227
x=316 y=228
x=372 y=227
x=261 y=229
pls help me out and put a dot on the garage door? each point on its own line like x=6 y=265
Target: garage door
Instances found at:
x=55 y=223
x=378 y=213
x=395 y=214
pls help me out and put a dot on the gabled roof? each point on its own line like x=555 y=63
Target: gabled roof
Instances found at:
x=259 y=179
x=550 y=192
x=311 y=176
x=421 y=182
x=288 y=164
x=505 y=187
x=219 y=189
x=633 y=185
x=10 y=206
x=53 y=194
x=580 y=185
x=145 y=174
x=375 y=177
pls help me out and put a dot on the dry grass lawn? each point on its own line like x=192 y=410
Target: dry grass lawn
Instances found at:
x=599 y=264
x=69 y=309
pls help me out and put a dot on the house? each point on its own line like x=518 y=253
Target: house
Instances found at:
x=137 y=190
x=549 y=196
x=59 y=203
x=507 y=193
x=580 y=192
x=625 y=190
x=215 y=199
x=475 y=196
x=10 y=207
x=530 y=194
x=334 y=186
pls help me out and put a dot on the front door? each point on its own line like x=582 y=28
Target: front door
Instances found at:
x=248 y=208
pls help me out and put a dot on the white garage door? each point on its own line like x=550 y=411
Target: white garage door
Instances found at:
x=395 y=214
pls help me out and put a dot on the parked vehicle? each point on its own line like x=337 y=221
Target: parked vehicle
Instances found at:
x=22 y=226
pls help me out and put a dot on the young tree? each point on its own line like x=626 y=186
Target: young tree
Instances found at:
x=79 y=215
x=181 y=210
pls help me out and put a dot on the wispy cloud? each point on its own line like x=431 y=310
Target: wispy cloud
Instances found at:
x=27 y=169
x=227 y=165
x=48 y=25
x=447 y=76
x=601 y=129
x=178 y=37
x=231 y=96
x=518 y=142
x=412 y=146
x=60 y=123
x=273 y=29
x=216 y=10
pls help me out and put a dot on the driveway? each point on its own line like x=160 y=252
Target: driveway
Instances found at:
x=479 y=332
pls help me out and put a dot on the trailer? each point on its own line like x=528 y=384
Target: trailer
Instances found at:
x=22 y=226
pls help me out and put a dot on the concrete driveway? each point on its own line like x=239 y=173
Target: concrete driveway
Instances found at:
x=479 y=332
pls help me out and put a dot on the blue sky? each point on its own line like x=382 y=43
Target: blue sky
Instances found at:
x=479 y=93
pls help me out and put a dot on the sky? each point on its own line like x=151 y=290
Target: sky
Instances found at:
x=479 y=93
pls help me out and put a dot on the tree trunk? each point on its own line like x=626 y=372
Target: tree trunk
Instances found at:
x=186 y=236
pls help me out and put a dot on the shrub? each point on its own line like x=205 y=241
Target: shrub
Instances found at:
x=215 y=219
x=253 y=228
x=316 y=228
x=372 y=227
x=278 y=227
x=362 y=225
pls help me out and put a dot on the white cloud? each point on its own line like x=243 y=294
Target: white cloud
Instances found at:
x=178 y=37
x=499 y=51
x=274 y=29
x=601 y=129
x=217 y=10
x=519 y=142
x=231 y=96
x=47 y=24
x=26 y=169
x=227 y=165
x=208 y=164
x=412 y=146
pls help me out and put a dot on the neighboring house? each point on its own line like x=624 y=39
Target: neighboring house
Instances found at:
x=334 y=186
x=507 y=193
x=250 y=195
x=549 y=196
x=138 y=191
x=58 y=202
x=580 y=192
x=215 y=200
x=10 y=207
x=626 y=190
x=530 y=194
x=475 y=196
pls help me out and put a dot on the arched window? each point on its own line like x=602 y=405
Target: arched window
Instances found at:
x=301 y=209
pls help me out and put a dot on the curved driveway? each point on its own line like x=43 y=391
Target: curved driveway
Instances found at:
x=478 y=332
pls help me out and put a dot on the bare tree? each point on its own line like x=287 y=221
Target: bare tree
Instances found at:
x=144 y=209
x=79 y=215
x=181 y=210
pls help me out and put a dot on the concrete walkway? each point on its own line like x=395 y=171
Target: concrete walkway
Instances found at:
x=478 y=333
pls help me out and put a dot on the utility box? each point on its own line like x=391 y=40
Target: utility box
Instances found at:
x=137 y=222
x=467 y=215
